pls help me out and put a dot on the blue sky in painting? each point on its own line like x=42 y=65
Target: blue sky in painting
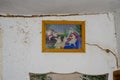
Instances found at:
x=61 y=27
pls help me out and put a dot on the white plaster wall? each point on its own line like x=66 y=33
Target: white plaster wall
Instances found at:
x=22 y=48
x=0 y=54
x=117 y=27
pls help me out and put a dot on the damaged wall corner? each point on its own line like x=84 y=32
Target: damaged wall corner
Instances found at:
x=117 y=28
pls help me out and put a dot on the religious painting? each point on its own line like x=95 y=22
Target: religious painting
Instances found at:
x=63 y=36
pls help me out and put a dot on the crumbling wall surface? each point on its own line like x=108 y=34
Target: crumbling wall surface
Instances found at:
x=22 y=41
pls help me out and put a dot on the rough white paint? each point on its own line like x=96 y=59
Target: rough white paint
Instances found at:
x=117 y=24
x=0 y=54
x=22 y=48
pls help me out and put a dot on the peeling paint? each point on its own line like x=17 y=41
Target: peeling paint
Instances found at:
x=24 y=33
x=109 y=16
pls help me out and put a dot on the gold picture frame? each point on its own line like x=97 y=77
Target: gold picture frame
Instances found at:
x=63 y=36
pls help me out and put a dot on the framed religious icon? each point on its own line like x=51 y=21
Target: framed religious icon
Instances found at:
x=63 y=36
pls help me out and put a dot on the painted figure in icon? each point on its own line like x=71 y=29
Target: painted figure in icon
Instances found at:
x=63 y=40
x=72 y=40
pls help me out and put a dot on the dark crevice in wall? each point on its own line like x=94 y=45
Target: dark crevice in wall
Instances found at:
x=32 y=16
